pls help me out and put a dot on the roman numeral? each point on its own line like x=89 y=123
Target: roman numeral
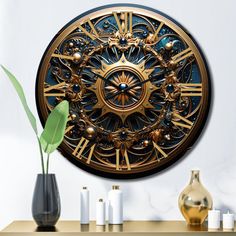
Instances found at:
x=185 y=122
x=182 y=55
x=160 y=150
x=90 y=154
x=93 y=34
x=127 y=160
x=80 y=147
x=60 y=86
x=191 y=90
x=118 y=159
x=155 y=36
x=124 y=22
x=63 y=56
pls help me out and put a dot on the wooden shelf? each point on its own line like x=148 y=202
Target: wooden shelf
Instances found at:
x=140 y=228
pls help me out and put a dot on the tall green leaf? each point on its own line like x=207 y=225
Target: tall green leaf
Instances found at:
x=55 y=126
x=21 y=95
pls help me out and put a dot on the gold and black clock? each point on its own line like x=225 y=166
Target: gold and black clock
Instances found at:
x=138 y=88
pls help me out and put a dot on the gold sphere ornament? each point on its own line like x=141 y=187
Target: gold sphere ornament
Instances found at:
x=145 y=143
x=73 y=116
x=195 y=201
x=172 y=64
x=90 y=132
x=77 y=56
x=169 y=46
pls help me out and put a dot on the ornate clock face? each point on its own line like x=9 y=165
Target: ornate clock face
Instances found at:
x=138 y=89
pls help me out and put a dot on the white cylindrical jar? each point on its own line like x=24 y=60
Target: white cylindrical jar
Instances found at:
x=115 y=206
x=228 y=221
x=84 y=206
x=100 y=212
x=214 y=219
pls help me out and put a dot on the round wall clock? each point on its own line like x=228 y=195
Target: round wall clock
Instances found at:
x=137 y=85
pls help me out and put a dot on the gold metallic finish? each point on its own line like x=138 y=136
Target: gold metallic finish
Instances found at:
x=82 y=149
x=89 y=34
x=90 y=153
x=182 y=55
x=127 y=160
x=155 y=36
x=182 y=125
x=195 y=201
x=141 y=228
x=192 y=90
x=54 y=94
x=123 y=24
x=179 y=117
x=57 y=86
x=169 y=46
x=90 y=132
x=81 y=145
x=125 y=95
x=124 y=65
x=73 y=116
x=145 y=143
x=128 y=81
x=77 y=56
x=182 y=118
x=191 y=94
x=117 y=159
x=160 y=150
x=93 y=28
x=118 y=22
x=63 y=56
x=130 y=22
x=69 y=128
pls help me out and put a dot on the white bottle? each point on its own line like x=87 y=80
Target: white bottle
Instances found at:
x=115 y=206
x=100 y=212
x=84 y=206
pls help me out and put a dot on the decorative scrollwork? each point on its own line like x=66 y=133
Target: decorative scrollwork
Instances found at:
x=137 y=87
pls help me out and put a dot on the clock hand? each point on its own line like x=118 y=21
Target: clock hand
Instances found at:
x=131 y=87
x=115 y=85
x=106 y=80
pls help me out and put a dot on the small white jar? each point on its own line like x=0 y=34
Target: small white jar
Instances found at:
x=228 y=221
x=214 y=219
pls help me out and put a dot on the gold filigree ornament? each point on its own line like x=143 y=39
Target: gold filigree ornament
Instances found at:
x=137 y=85
x=125 y=66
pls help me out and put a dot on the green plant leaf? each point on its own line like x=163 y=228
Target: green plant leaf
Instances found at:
x=21 y=95
x=55 y=126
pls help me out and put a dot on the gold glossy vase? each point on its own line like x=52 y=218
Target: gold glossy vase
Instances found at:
x=195 y=201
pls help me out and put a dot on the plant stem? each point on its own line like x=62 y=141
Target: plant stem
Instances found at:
x=41 y=154
x=47 y=163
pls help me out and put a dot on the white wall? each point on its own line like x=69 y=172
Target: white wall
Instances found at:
x=27 y=26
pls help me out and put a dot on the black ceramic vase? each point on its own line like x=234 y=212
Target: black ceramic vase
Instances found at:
x=46 y=207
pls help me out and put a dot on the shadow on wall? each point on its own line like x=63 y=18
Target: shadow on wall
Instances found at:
x=224 y=209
